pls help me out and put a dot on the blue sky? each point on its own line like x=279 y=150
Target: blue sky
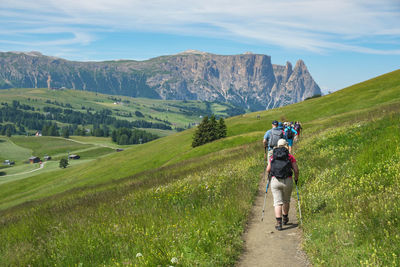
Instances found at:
x=342 y=42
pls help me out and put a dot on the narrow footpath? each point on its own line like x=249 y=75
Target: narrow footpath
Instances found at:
x=41 y=166
x=265 y=246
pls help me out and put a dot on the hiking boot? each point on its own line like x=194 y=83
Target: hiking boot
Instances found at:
x=278 y=226
x=285 y=219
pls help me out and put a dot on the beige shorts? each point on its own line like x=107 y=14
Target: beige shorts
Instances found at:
x=281 y=190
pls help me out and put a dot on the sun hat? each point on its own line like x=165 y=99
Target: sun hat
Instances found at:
x=283 y=143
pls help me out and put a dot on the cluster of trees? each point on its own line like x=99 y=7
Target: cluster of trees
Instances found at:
x=38 y=121
x=8 y=130
x=124 y=136
x=58 y=104
x=51 y=129
x=209 y=130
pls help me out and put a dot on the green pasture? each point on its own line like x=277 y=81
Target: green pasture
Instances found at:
x=351 y=193
x=96 y=152
x=27 y=170
x=159 y=132
x=98 y=141
x=10 y=151
x=47 y=145
x=179 y=209
x=167 y=200
x=21 y=168
x=171 y=110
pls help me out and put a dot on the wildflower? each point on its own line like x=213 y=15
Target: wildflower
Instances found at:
x=138 y=255
x=174 y=260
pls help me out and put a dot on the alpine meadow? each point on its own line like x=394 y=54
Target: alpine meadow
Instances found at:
x=166 y=203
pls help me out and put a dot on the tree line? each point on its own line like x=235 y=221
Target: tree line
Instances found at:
x=209 y=130
x=37 y=121
x=124 y=136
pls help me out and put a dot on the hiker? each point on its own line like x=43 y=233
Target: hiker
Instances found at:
x=281 y=166
x=297 y=127
x=271 y=138
x=290 y=134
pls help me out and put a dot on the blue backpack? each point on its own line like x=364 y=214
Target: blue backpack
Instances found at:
x=289 y=133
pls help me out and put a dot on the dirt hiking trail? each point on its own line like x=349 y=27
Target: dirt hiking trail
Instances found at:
x=265 y=246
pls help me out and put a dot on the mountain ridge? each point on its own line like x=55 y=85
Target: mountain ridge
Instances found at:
x=247 y=80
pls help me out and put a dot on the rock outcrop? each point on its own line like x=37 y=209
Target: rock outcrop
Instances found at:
x=247 y=80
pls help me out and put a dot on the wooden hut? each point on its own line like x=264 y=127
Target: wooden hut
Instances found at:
x=74 y=156
x=34 y=159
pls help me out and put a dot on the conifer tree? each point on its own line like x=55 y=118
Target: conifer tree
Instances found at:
x=221 y=131
x=209 y=130
x=8 y=132
x=63 y=163
x=65 y=132
x=213 y=129
x=201 y=134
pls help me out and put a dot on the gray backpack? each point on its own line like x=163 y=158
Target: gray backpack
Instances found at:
x=275 y=135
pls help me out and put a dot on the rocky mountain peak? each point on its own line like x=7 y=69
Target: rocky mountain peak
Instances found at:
x=247 y=80
x=193 y=52
x=300 y=65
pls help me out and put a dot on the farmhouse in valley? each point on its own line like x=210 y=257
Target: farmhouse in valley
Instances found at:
x=34 y=159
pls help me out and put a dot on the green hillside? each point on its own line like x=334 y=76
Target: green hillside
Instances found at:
x=166 y=200
x=19 y=149
x=59 y=106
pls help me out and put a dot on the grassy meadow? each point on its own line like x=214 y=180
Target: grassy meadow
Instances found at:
x=179 y=113
x=165 y=203
x=11 y=151
x=20 y=148
x=47 y=145
x=351 y=194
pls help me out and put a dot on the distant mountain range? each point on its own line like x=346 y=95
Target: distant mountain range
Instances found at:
x=247 y=80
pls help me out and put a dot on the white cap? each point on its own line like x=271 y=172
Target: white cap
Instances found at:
x=282 y=142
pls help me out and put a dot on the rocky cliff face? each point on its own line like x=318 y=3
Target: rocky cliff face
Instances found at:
x=247 y=80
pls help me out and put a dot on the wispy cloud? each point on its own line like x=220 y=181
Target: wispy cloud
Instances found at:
x=313 y=25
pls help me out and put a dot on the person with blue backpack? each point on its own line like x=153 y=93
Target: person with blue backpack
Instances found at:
x=281 y=166
x=271 y=138
x=290 y=133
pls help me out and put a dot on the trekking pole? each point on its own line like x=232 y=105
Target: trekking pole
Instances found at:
x=265 y=197
x=298 y=202
x=265 y=163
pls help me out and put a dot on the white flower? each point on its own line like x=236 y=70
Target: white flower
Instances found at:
x=174 y=260
x=139 y=255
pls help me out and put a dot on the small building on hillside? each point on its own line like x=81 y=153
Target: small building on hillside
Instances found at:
x=72 y=156
x=47 y=157
x=34 y=159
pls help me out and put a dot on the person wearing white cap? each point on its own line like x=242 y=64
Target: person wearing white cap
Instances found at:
x=281 y=166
